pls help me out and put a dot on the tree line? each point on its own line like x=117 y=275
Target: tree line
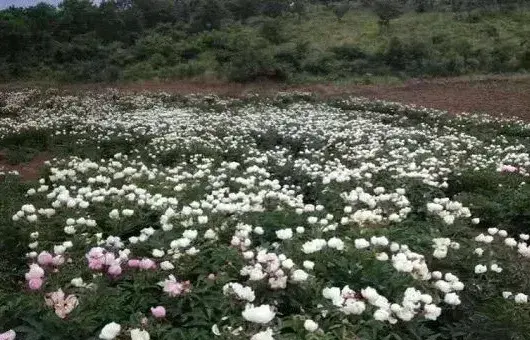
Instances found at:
x=79 y=40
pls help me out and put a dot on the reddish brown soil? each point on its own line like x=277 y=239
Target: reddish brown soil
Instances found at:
x=497 y=95
x=27 y=171
x=507 y=96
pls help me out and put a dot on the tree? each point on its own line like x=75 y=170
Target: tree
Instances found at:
x=275 y=8
x=208 y=15
x=341 y=9
x=76 y=17
x=298 y=7
x=387 y=10
x=243 y=9
x=109 y=26
x=421 y=6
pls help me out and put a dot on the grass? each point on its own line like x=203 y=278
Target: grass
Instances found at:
x=360 y=28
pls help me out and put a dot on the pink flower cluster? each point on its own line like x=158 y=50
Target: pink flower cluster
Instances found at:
x=9 y=335
x=509 y=168
x=158 y=311
x=144 y=264
x=35 y=276
x=47 y=259
x=175 y=288
x=100 y=259
x=62 y=304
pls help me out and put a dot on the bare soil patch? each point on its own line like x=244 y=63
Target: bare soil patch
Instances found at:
x=497 y=95
x=504 y=96
x=28 y=171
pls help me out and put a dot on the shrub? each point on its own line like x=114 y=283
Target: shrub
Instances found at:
x=138 y=71
x=291 y=55
x=320 y=63
x=273 y=31
x=387 y=10
x=341 y=9
x=274 y=8
x=244 y=58
x=525 y=60
x=348 y=52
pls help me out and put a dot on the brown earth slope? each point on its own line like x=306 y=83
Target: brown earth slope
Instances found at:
x=507 y=96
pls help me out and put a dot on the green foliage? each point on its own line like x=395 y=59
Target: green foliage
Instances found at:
x=165 y=39
x=387 y=10
x=273 y=31
x=341 y=9
x=499 y=199
x=246 y=58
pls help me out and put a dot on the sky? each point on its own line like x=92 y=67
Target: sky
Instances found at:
x=26 y=3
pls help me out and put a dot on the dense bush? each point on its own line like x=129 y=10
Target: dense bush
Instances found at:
x=147 y=39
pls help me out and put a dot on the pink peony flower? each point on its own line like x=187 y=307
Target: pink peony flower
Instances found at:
x=133 y=263
x=114 y=270
x=158 y=312
x=96 y=252
x=509 y=168
x=97 y=258
x=58 y=260
x=95 y=264
x=63 y=306
x=173 y=287
x=35 y=272
x=147 y=264
x=45 y=258
x=9 y=335
x=35 y=284
x=110 y=259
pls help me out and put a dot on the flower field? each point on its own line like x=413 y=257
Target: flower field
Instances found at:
x=160 y=216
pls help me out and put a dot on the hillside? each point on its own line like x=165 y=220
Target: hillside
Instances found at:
x=82 y=42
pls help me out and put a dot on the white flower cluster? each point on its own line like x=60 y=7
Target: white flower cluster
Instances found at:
x=448 y=210
x=286 y=189
x=242 y=292
x=381 y=207
x=414 y=303
x=441 y=247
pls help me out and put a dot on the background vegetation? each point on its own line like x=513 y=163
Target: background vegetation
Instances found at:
x=245 y=40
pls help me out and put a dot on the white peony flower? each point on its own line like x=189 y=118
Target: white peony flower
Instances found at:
x=264 y=335
x=479 y=269
x=310 y=325
x=138 y=334
x=284 y=234
x=309 y=265
x=336 y=243
x=110 y=331
x=452 y=299
x=158 y=253
x=521 y=298
x=166 y=265
x=261 y=314
x=299 y=275
x=361 y=243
